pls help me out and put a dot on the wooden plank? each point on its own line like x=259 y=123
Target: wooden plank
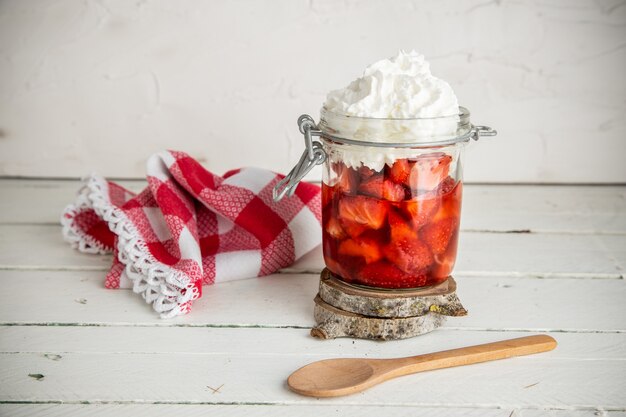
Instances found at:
x=541 y=381
x=525 y=254
x=29 y=201
x=545 y=208
x=204 y=410
x=287 y=300
x=59 y=340
x=480 y=254
x=540 y=208
x=192 y=410
x=318 y=410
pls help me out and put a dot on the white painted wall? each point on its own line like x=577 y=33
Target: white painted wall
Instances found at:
x=100 y=85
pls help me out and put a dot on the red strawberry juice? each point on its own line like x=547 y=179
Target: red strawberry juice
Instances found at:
x=392 y=228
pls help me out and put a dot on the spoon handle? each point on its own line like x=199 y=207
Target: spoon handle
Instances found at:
x=471 y=354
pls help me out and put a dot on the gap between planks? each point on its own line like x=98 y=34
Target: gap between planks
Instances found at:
x=293 y=404
x=306 y=271
x=269 y=326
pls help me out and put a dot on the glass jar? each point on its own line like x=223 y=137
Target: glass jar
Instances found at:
x=391 y=195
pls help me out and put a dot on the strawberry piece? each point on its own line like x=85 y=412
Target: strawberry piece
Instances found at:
x=421 y=209
x=383 y=274
x=437 y=235
x=405 y=249
x=365 y=172
x=446 y=186
x=410 y=255
x=392 y=191
x=327 y=195
x=429 y=171
x=450 y=200
x=378 y=187
x=400 y=171
x=333 y=228
x=353 y=229
x=366 y=248
x=399 y=228
x=347 y=179
x=442 y=267
x=362 y=210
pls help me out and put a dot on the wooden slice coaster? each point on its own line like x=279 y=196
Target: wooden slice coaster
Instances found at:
x=440 y=299
x=332 y=323
x=344 y=310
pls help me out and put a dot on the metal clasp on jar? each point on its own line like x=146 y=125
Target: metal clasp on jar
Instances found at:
x=313 y=155
x=478 y=131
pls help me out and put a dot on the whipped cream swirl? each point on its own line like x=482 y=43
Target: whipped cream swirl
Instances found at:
x=400 y=87
x=397 y=100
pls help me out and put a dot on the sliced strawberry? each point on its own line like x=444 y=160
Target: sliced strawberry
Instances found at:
x=382 y=274
x=446 y=186
x=399 y=228
x=327 y=195
x=421 y=208
x=437 y=235
x=372 y=186
x=366 y=248
x=405 y=249
x=333 y=228
x=362 y=210
x=365 y=172
x=410 y=255
x=347 y=179
x=353 y=229
x=429 y=171
x=378 y=187
x=450 y=200
x=442 y=267
x=392 y=191
x=400 y=171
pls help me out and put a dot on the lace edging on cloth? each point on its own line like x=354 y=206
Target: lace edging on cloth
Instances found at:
x=168 y=290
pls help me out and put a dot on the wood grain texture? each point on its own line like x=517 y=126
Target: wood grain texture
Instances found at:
x=490 y=208
x=525 y=254
x=202 y=410
x=533 y=382
x=440 y=299
x=287 y=300
x=545 y=255
x=331 y=322
x=59 y=340
x=565 y=276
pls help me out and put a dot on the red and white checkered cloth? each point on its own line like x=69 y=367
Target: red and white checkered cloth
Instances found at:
x=190 y=228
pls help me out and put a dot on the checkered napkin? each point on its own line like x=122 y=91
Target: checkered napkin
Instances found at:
x=190 y=228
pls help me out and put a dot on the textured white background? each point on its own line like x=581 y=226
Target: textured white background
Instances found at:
x=100 y=85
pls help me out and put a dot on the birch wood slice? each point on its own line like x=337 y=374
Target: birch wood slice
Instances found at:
x=440 y=299
x=332 y=323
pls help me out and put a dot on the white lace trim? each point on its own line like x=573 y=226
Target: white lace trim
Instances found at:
x=158 y=283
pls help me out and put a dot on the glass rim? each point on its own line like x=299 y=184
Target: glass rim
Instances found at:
x=407 y=132
x=463 y=113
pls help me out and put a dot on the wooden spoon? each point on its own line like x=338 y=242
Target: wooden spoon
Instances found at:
x=336 y=377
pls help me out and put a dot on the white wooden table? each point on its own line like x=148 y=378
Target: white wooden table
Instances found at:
x=531 y=259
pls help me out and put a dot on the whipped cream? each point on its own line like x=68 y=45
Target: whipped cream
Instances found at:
x=400 y=87
x=397 y=100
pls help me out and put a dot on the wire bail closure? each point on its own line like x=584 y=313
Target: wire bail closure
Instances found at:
x=313 y=155
x=478 y=131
